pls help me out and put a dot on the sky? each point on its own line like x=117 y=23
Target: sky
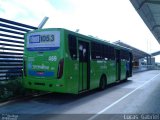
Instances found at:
x=110 y=20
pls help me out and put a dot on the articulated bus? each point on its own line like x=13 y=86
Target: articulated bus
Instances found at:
x=59 y=60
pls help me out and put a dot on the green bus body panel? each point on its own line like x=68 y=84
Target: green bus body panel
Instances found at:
x=38 y=61
x=102 y=67
x=74 y=78
x=71 y=72
x=82 y=76
x=123 y=70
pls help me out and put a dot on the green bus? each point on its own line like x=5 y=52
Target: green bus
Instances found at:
x=59 y=60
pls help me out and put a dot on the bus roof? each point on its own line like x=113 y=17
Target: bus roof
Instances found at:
x=92 y=38
x=89 y=37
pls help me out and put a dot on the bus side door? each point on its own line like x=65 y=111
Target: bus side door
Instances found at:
x=118 y=64
x=84 y=65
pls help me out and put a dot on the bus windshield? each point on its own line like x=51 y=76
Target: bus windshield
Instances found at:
x=43 y=41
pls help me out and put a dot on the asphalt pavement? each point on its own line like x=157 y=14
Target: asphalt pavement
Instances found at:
x=138 y=96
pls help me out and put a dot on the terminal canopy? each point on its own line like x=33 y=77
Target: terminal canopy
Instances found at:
x=149 y=10
x=137 y=54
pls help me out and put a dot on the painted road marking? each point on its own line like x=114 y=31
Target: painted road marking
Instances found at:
x=111 y=105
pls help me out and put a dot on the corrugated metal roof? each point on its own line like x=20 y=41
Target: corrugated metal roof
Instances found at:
x=155 y=53
x=137 y=54
x=149 y=10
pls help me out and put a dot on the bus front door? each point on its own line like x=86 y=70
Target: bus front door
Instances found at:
x=84 y=65
x=118 y=64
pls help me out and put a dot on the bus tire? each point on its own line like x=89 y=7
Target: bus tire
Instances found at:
x=102 y=83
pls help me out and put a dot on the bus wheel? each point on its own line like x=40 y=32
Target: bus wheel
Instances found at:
x=102 y=84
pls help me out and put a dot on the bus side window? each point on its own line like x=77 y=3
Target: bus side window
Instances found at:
x=105 y=52
x=93 y=50
x=121 y=54
x=113 y=53
x=72 y=44
x=96 y=52
x=124 y=55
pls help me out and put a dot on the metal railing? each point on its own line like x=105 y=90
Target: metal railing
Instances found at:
x=11 y=48
x=142 y=68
